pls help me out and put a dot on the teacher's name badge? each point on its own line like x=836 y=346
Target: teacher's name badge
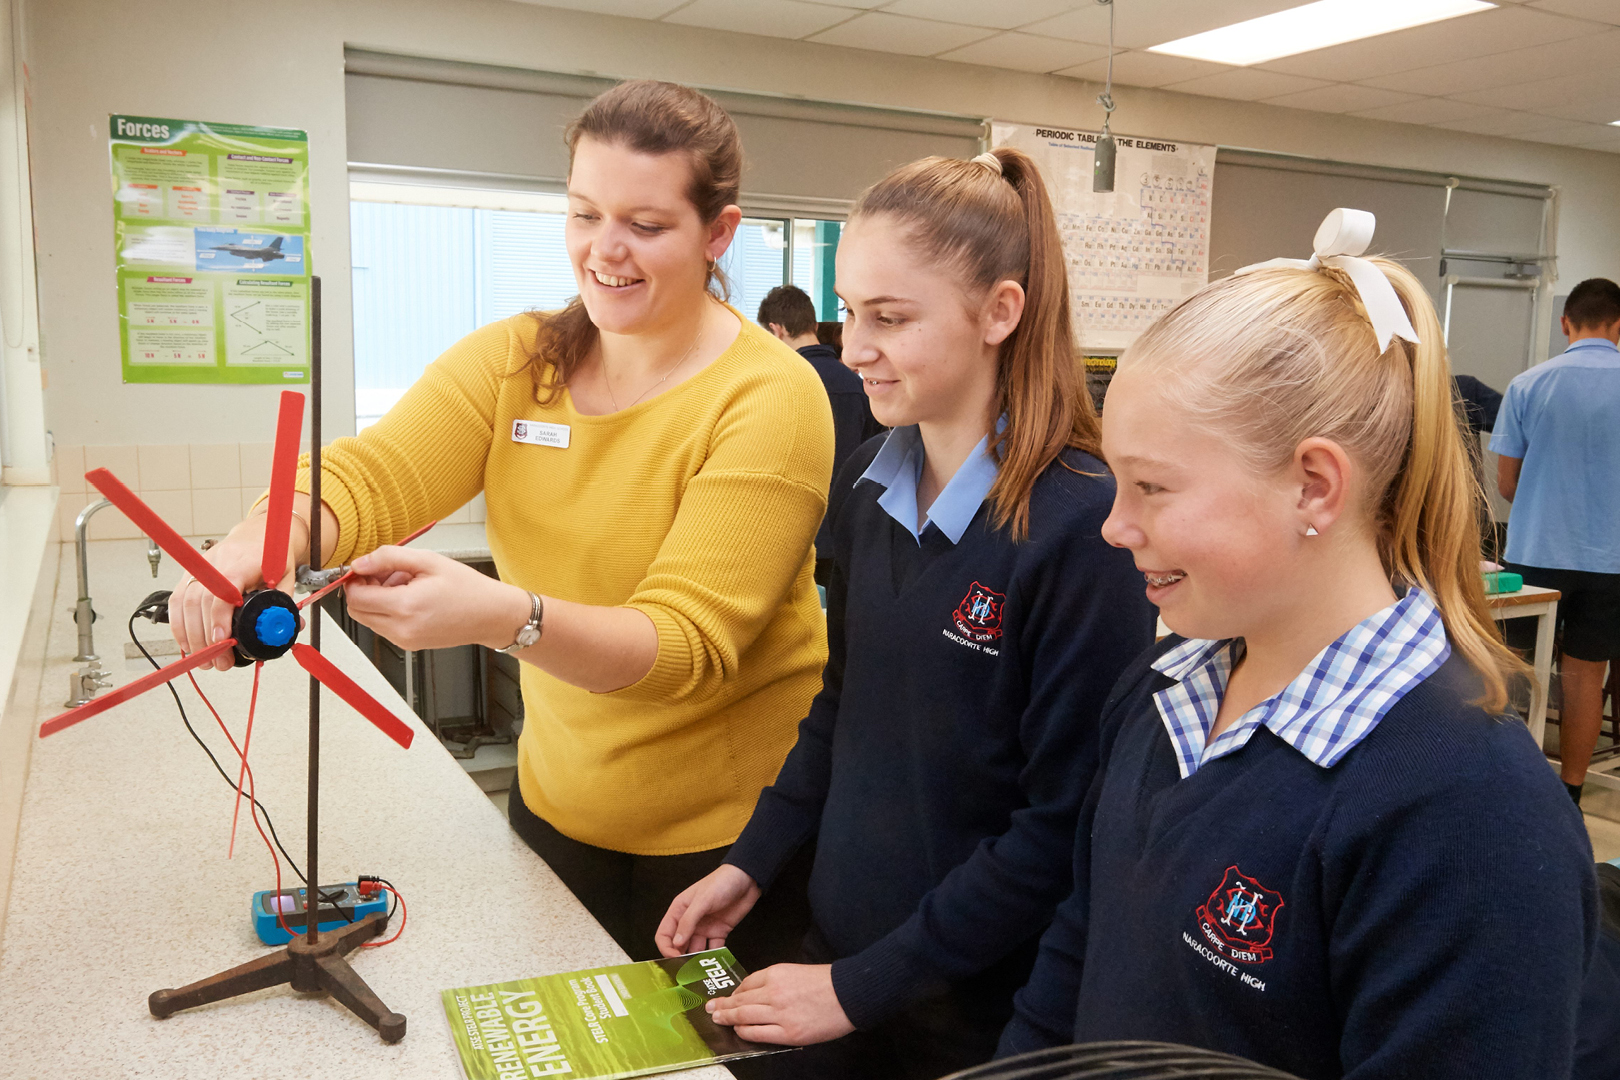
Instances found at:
x=537 y=434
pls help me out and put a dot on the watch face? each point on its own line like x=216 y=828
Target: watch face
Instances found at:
x=527 y=636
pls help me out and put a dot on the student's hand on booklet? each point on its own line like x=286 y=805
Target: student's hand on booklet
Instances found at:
x=701 y=917
x=788 y=1004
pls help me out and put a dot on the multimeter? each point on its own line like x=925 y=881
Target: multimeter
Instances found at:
x=340 y=905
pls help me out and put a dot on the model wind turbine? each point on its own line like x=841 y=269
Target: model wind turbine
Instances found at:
x=264 y=628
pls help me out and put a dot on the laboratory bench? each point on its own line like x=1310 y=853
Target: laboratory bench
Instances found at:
x=121 y=883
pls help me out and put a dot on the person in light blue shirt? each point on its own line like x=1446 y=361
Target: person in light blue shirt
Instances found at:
x=1558 y=434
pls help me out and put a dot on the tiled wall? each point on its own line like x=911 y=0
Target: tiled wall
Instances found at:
x=200 y=489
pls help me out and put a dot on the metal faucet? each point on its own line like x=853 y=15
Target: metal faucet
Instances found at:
x=84 y=683
x=83 y=614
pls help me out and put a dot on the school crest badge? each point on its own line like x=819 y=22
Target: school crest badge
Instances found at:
x=520 y=430
x=978 y=616
x=1239 y=917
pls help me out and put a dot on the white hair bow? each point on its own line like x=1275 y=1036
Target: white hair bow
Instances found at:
x=1344 y=235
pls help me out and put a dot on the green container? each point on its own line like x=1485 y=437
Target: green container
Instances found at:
x=1503 y=582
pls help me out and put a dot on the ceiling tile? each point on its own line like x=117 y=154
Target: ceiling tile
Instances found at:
x=1566 y=134
x=898 y=34
x=775 y=18
x=1593 y=50
x=1606 y=11
x=1548 y=93
x=1246 y=84
x=1462 y=38
x=1340 y=98
x=849 y=3
x=1427 y=111
x=1145 y=69
x=633 y=9
x=1000 y=15
x=1026 y=52
x=1497 y=122
x=1597 y=108
x=1140 y=23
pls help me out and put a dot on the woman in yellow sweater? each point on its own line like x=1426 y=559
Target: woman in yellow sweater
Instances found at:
x=655 y=468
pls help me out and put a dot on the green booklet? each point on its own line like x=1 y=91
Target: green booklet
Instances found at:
x=628 y=1020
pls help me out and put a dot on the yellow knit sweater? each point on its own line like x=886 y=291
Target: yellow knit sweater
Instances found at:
x=697 y=507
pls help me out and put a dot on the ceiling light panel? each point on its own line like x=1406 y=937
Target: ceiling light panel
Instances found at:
x=1313 y=26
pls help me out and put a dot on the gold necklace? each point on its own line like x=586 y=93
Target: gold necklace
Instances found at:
x=684 y=357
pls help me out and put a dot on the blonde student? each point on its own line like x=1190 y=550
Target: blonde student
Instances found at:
x=976 y=620
x=1316 y=840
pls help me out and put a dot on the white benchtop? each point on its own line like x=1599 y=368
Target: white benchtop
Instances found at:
x=121 y=885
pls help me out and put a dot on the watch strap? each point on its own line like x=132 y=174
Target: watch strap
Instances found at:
x=537 y=612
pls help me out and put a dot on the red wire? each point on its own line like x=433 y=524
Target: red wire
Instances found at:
x=401 y=930
x=247 y=741
x=253 y=810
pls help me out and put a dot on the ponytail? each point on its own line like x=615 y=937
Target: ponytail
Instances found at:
x=992 y=223
x=1433 y=506
x=1279 y=355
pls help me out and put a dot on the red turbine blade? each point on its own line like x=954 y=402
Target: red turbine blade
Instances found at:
x=323 y=590
x=129 y=690
x=347 y=689
x=170 y=541
x=283 y=472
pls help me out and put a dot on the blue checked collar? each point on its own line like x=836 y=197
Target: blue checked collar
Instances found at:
x=898 y=467
x=1330 y=707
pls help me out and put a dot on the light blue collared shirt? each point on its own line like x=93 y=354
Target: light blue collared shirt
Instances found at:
x=1562 y=418
x=898 y=468
x=1329 y=707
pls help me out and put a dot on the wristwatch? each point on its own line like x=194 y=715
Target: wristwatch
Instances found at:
x=529 y=632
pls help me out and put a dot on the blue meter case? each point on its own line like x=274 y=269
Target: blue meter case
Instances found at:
x=340 y=905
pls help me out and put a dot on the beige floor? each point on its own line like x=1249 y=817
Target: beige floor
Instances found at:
x=1601 y=807
x=499 y=799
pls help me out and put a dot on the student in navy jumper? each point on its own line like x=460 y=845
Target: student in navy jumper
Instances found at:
x=1315 y=839
x=976 y=620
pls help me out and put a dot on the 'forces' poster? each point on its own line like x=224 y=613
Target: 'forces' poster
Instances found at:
x=211 y=234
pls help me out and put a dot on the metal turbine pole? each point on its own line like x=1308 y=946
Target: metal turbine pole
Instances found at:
x=312 y=894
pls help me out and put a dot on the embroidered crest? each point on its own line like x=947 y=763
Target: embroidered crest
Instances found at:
x=978 y=616
x=1239 y=917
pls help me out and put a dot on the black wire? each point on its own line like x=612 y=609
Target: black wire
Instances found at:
x=331 y=898
x=223 y=774
x=394 y=906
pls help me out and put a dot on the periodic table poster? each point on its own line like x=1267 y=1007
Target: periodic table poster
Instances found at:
x=1132 y=253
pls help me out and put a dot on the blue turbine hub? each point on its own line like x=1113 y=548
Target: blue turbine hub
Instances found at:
x=265 y=626
x=276 y=626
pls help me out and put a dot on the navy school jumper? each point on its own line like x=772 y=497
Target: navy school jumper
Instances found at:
x=1427 y=906
x=942 y=767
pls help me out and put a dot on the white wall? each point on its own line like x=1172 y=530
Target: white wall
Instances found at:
x=282 y=64
x=25 y=450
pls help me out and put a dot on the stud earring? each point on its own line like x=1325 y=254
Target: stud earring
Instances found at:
x=1310 y=530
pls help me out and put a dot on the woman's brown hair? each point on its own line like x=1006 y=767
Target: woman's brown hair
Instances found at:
x=991 y=225
x=649 y=117
x=1271 y=358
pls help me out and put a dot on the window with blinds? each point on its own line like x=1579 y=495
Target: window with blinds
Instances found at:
x=428 y=272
